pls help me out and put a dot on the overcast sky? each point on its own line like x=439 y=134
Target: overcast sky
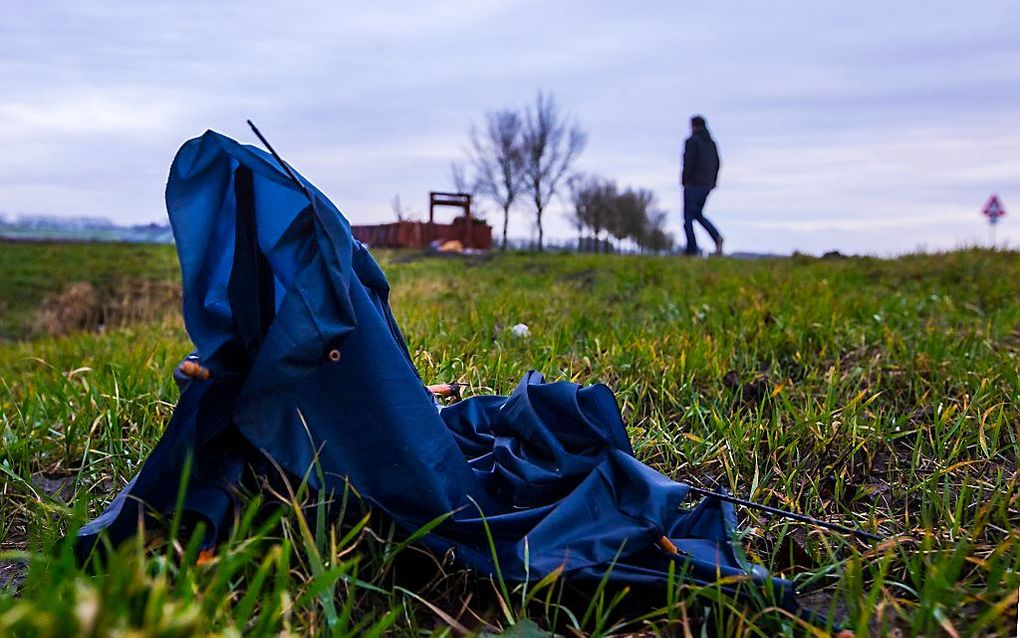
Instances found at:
x=873 y=127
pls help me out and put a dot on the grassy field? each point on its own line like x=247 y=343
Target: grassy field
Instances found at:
x=115 y=282
x=884 y=394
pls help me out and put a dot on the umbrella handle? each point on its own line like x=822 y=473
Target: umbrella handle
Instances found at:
x=445 y=389
x=193 y=370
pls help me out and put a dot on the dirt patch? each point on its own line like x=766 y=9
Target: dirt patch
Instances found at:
x=834 y=254
x=584 y=279
x=58 y=486
x=132 y=300
x=12 y=574
x=750 y=392
x=76 y=307
x=1011 y=341
x=81 y=306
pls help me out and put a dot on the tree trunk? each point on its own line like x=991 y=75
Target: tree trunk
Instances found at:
x=506 y=220
x=539 y=219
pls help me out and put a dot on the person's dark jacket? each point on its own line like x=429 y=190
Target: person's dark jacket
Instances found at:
x=701 y=161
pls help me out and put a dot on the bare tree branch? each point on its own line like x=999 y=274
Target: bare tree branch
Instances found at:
x=398 y=208
x=551 y=144
x=496 y=156
x=461 y=182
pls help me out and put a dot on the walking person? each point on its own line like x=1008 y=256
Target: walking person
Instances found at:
x=698 y=178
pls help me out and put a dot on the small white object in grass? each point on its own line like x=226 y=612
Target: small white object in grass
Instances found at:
x=520 y=330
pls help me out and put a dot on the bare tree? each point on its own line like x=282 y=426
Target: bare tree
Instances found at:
x=460 y=180
x=632 y=208
x=600 y=206
x=578 y=214
x=551 y=143
x=497 y=158
x=656 y=238
x=398 y=208
x=594 y=202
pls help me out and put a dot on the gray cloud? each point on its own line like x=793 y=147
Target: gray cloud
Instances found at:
x=869 y=126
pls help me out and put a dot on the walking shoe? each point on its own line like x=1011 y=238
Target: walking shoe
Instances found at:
x=718 y=247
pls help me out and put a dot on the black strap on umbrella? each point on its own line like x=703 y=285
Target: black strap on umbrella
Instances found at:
x=859 y=533
x=252 y=287
x=283 y=164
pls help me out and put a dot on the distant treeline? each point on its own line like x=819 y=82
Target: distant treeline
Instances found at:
x=52 y=228
x=606 y=212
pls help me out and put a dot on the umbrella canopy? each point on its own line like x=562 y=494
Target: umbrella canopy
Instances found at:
x=307 y=366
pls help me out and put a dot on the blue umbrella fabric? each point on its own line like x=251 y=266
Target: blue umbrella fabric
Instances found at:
x=290 y=315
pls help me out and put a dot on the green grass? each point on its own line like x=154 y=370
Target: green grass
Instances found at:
x=31 y=271
x=875 y=393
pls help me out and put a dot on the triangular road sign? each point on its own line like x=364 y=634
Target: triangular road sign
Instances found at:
x=994 y=208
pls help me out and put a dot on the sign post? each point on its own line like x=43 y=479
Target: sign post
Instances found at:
x=993 y=210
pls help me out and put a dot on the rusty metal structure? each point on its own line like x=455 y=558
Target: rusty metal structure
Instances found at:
x=471 y=233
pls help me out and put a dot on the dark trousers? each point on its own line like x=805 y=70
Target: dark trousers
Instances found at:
x=694 y=203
